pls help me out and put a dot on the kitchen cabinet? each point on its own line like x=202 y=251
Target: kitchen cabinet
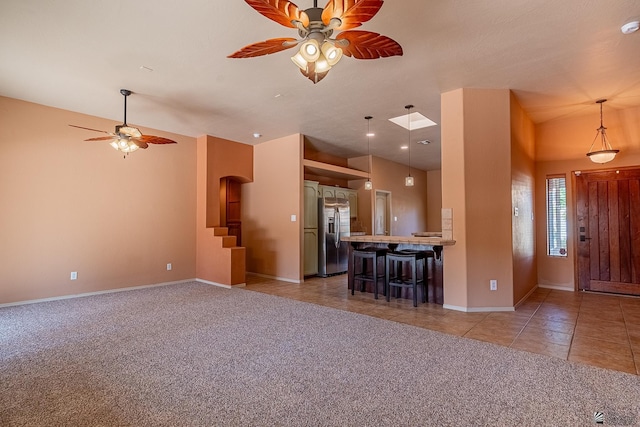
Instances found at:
x=327 y=191
x=310 y=266
x=310 y=221
x=342 y=193
x=353 y=203
x=310 y=204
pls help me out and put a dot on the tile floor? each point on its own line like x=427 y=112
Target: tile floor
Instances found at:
x=594 y=329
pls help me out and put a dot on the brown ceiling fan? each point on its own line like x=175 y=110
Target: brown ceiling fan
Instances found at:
x=318 y=51
x=127 y=138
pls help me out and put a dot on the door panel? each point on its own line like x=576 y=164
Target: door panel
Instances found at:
x=608 y=220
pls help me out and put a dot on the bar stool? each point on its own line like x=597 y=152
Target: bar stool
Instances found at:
x=371 y=254
x=397 y=260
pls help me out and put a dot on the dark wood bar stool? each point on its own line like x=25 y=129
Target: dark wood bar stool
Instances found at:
x=395 y=278
x=363 y=276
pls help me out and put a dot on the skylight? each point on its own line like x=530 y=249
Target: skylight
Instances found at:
x=418 y=121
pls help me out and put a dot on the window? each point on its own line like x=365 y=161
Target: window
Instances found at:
x=556 y=216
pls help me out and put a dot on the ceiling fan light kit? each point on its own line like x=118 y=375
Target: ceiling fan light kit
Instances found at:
x=318 y=52
x=127 y=139
x=606 y=152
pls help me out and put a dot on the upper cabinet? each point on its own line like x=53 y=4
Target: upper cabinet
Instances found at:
x=353 y=203
x=342 y=193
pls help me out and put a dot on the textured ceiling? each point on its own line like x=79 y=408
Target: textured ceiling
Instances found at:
x=557 y=56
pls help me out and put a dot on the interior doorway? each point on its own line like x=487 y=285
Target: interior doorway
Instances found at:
x=382 y=213
x=608 y=222
x=231 y=209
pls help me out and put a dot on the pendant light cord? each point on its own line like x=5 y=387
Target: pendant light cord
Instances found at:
x=409 y=107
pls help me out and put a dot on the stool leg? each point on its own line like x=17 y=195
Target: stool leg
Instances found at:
x=374 y=273
x=414 y=280
x=384 y=265
x=386 y=279
x=424 y=280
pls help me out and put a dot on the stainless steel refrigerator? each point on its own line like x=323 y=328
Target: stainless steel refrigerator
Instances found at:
x=333 y=224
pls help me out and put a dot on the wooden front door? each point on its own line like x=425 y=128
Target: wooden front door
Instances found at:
x=608 y=221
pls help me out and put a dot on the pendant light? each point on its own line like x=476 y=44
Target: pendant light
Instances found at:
x=368 y=185
x=408 y=180
x=606 y=152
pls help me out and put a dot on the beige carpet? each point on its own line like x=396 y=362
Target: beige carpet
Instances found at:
x=196 y=355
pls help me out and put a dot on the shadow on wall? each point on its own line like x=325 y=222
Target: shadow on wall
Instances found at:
x=262 y=257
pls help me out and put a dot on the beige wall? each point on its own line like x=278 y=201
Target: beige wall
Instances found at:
x=571 y=138
x=365 y=197
x=453 y=196
x=522 y=199
x=476 y=151
x=273 y=241
x=70 y=205
x=408 y=204
x=434 y=200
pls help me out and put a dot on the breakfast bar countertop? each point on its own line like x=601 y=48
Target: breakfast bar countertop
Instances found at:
x=406 y=240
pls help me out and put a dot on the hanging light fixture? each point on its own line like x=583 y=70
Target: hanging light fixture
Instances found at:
x=606 y=152
x=408 y=180
x=368 y=185
x=317 y=49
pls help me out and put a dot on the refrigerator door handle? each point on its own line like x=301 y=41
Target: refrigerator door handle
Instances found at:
x=336 y=216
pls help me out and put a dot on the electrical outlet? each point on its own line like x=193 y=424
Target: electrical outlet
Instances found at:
x=493 y=285
x=169 y=267
x=74 y=275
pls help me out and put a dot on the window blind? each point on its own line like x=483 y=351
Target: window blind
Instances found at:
x=556 y=216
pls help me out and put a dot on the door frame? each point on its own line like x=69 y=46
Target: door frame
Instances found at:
x=388 y=212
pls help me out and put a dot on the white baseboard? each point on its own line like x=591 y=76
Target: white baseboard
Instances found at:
x=222 y=285
x=87 y=294
x=282 y=279
x=557 y=288
x=524 y=298
x=477 y=309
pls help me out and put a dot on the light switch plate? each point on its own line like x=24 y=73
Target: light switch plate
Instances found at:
x=293 y=218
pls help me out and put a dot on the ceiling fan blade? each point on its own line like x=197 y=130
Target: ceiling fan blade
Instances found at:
x=283 y=12
x=140 y=143
x=102 y=138
x=311 y=74
x=265 y=48
x=95 y=130
x=150 y=139
x=352 y=13
x=368 y=45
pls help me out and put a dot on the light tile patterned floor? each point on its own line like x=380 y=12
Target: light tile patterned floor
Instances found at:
x=594 y=329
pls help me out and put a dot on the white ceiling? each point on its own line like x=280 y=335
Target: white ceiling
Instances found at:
x=557 y=56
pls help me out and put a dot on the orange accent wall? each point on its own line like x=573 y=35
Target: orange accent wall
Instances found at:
x=70 y=205
x=569 y=140
x=476 y=179
x=522 y=198
x=273 y=241
x=217 y=158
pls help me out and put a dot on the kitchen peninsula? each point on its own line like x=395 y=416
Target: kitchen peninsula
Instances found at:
x=416 y=242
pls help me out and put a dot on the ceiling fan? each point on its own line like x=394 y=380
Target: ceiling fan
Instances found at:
x=127 y=138
x=318 y=51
